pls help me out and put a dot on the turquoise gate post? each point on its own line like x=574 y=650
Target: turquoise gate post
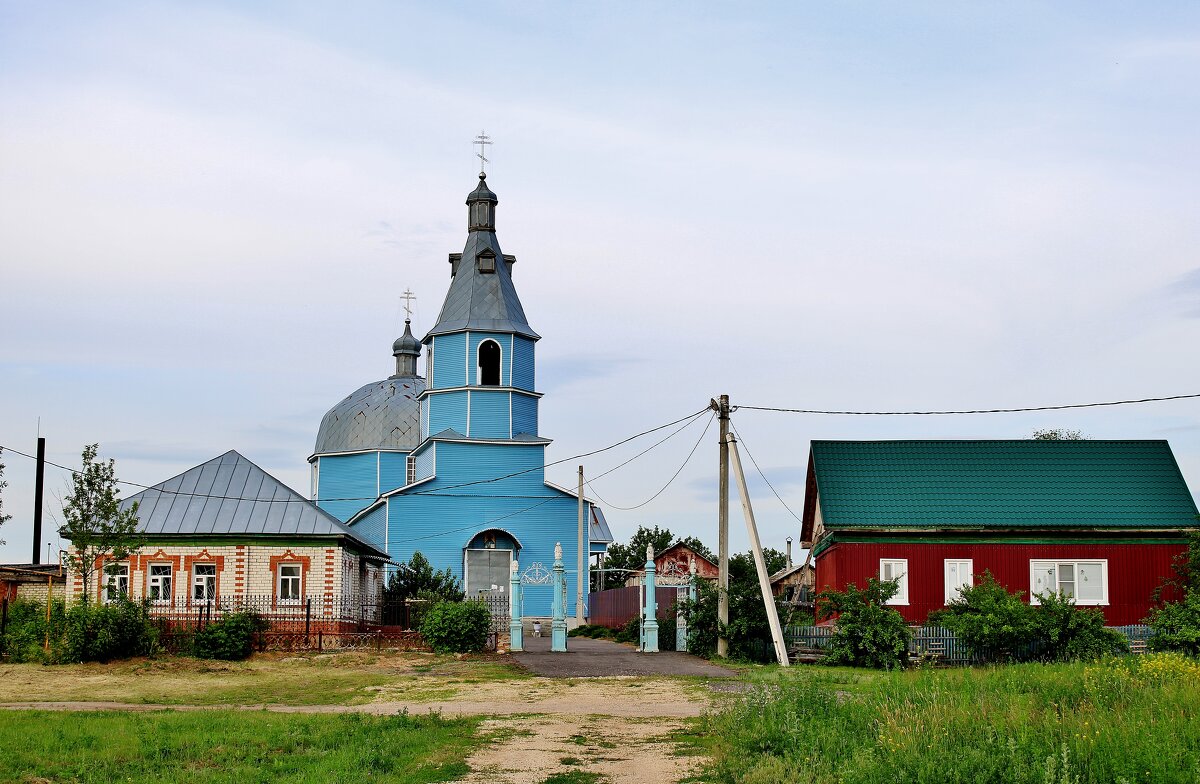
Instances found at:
x=681 y=629
x=516 y=641
x=650 y=612
x=558 y=624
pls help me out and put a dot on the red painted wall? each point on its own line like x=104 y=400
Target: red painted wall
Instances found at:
x=1134 y=570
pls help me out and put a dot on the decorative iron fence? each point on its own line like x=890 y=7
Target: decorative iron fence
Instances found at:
x=308 y=616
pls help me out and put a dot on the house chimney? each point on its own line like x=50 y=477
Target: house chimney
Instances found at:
x=789 y=552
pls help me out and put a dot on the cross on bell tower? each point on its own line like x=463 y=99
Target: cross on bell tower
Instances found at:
x=483 y=140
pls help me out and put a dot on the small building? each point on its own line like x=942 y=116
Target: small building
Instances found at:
x=675 y=561
x=227 y=531
x=1099 y=521
x=33 y=582
x=794 y=583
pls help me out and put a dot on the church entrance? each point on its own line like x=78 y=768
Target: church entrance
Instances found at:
x=488 y=571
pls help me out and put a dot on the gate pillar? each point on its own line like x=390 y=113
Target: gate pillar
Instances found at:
x=650 y=611
x=558 y=624
x=516 y=641
x=681 y=629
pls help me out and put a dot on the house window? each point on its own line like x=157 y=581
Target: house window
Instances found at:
x=159 y=588
x=1084 y=581
x=117 y=585
x=204 y=582
x=958 y=576
x=410 y=470
x=489 y=363
x=289 y=582
x=895 y=569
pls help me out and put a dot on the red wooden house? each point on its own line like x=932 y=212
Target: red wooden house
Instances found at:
x=1100 y=521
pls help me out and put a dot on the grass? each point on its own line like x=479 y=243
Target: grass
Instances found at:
x=217 y=746
x=574 y=777
x=1135 y=719
x=329 y=679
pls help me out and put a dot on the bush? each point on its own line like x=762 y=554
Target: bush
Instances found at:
x=748 y=627
x=456 y=627
x=591 y=631
x=230 y=638
x=868 y=633
x=1176 y=625
x=116 y=630
x=25 y=632
x=630 y=632
x=1066 y=633
x=989 y=621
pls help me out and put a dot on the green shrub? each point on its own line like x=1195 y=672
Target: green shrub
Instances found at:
x=630 y=632
x=25 y=633
x=456 y=627
x=989 y=621
x=591 y=631
x=868 y=633
x=1176 y=625
x=1065 y=632
x=230 y=638
x=103 y=632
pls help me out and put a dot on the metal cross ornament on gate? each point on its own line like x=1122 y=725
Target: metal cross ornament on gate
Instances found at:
x=536 y=574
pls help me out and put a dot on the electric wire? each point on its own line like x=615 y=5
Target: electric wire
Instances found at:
x=760 y=471
x=967 y=411
x=662 y=489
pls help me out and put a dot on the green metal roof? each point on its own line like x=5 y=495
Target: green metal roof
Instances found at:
x=999 y=484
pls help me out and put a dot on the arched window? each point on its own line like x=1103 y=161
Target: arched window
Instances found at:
x=489 y=363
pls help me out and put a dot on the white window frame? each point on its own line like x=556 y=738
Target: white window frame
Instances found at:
x=116 y=584
x=203 y=581
x=901 y=597
x=479 y=365
x=154 y=583
x=279 y=582
x=953 y=591
x=1075 y=562
x=410 y=469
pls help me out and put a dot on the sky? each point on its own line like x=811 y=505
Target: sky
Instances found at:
x=208 y=213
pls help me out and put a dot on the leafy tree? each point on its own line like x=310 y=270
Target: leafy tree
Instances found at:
x=418 y=580
x=868 y=632
x=1058 y=434
x=632 y=556
x=748 y=628
x=3 y=517
x=1176 y=624
x=98 y=528
x=988 y=620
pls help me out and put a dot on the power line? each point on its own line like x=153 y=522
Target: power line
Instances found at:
x=760 y=471
x=662 y=489
x=968 y=411
x=439 y=491
x=649 y=448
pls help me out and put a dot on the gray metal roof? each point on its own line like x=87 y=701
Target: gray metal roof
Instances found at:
x=230 y=496
x=600 y=531
x=481 y=300
x=381 y=415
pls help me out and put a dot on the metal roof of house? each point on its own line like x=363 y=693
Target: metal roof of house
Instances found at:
x=599 y=528
x=380 y=415
x=1023 y=484
x=230 y=496
x=485 y=301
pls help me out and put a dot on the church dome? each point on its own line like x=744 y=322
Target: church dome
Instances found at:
x=381 y=415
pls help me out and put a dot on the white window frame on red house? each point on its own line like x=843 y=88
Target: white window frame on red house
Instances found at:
x=298 y=577
x=155 y=583
x=953 y=588
x=1055 y=566
x=891 y=565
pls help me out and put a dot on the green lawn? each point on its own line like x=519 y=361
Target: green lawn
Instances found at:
x=1135 y=719
x=238 y=747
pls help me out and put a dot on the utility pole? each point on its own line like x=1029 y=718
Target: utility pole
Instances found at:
x=760 y=564
x=581 y=575
x=721 y=406
x=38 y=484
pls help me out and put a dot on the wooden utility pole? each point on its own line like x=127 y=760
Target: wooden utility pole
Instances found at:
x=721 y=406
x=581 y=575
x=760 y=563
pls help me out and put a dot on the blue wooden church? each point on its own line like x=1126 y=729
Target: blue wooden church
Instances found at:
x=451 y=465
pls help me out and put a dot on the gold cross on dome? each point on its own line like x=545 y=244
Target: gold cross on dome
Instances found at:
x=483 y=140
x=408 y=297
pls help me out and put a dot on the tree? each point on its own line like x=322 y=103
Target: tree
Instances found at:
x=1176 y=624
x=418 y=580
x=99 y=530
x=1058 y=434
x=632 y=556
x=3 y=517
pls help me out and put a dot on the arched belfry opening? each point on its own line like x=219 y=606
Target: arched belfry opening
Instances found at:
x=489 y=363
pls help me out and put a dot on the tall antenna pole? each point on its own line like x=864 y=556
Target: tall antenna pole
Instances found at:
x=722 y=409
x=38 y=485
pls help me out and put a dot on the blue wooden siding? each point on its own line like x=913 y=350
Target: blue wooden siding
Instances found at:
x=447 y=410
x=524 y=414
x=349 y=477
x=425 y=462
x=522 y=364
x=393 y=471
x=371 y=526
x=424 y=419
x=489 y=414
x=504 y=340
x=449 y=361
